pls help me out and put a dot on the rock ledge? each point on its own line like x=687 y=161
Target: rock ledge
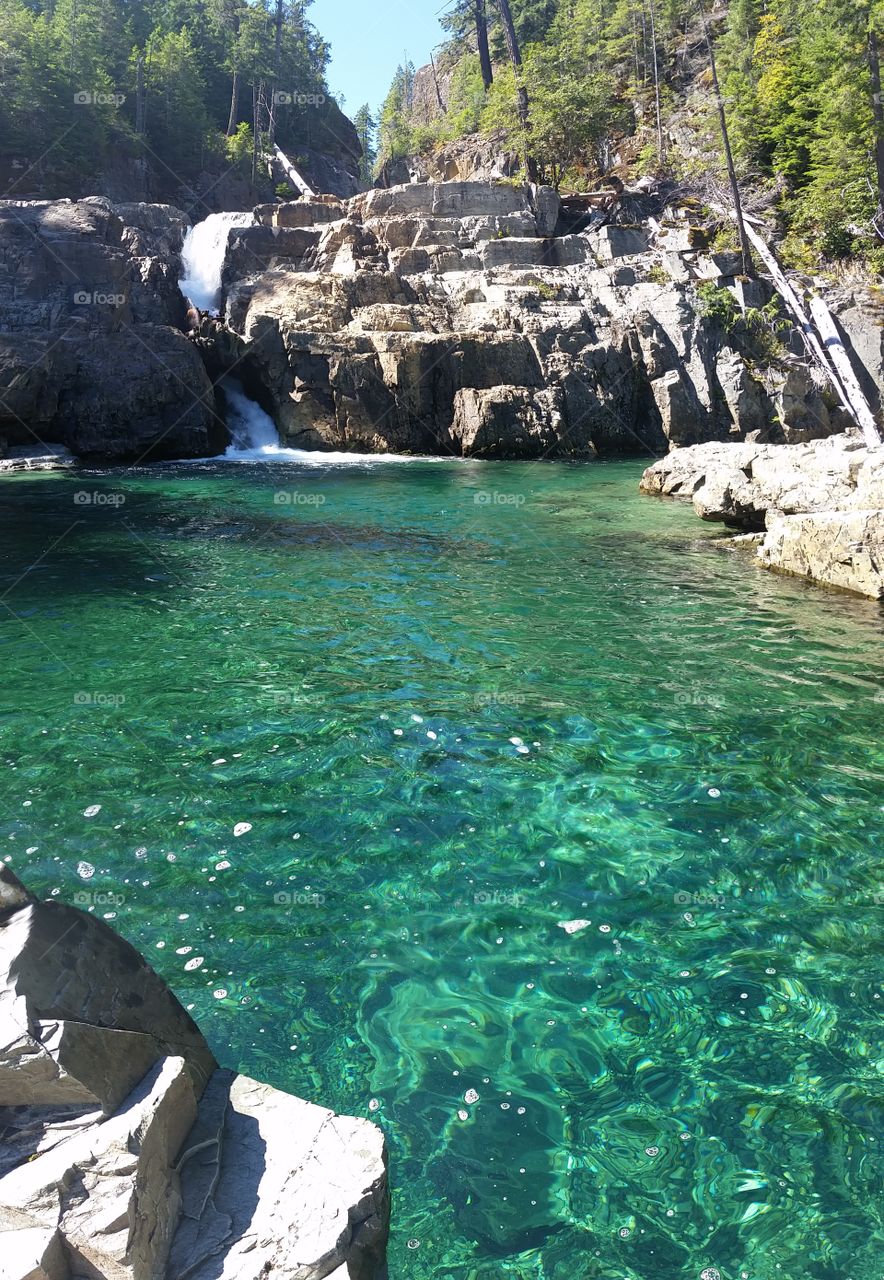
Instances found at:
x=128 y=1155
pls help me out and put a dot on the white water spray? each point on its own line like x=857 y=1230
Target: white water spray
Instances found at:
x=202 y=257
x=255 y=438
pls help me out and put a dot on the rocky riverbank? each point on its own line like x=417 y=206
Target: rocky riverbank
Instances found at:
x=818 y=507
x=128 y=1154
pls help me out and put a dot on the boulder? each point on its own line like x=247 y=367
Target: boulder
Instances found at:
x=90 y=356
x=618 y=242
x=820 y=503
x=111 y=1191
x=680 y=413
x=142 y=394
x=505 y=422
x=748 y=404
x=127 y=1155
x=273 y=1185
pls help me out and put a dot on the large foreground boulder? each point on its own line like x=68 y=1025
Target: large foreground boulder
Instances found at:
x=127 y=1155
x=840 y=548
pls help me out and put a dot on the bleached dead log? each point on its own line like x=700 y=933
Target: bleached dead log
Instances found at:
x=859 y=405
x=292 y=173
x=827 y=352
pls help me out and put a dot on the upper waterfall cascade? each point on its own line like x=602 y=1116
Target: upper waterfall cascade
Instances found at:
x=202 y=257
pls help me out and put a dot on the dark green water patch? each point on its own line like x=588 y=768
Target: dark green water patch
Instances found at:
x=343 y=748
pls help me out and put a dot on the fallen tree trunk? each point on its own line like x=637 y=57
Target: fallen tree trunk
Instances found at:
x=831 y=358
x=292 y=174
x=858 y=404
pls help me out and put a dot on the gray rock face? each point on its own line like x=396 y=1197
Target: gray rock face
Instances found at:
x=273 y=1185
x=380 y=327
x=839 y=548
x=90 y=353
x=821 y=503
x=126 y=1155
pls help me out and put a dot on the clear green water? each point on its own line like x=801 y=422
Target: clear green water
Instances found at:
x=690 y=1081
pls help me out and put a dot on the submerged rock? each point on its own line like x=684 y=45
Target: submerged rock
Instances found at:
x=127 y=1154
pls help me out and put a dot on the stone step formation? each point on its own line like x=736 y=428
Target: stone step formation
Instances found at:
x=128 y=1154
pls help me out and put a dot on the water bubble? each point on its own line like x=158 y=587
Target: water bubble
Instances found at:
x=373 y=1104
x=222 y=866
x=85 y=870
x=710 y=1273
x=471 y=1096
x=220 y=993
x=196 y=963
x=432 y=736
x=623 y=1233
x=414 y=1244
x=652 y=1151
x=463 y=1115
x=92 y=810
x=242 y=828
x=713 y=792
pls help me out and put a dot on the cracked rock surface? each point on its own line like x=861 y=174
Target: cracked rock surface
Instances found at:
x=126 y=1154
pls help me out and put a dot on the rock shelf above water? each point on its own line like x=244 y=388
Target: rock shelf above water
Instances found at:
x=820 y=505
x=127 y=1154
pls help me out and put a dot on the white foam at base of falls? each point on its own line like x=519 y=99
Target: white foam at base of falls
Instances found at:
x=255 y=438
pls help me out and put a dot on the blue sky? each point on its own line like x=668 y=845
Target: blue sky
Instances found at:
x=369 y=40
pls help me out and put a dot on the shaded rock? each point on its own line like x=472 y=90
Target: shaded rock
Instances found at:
x=748 y=405
x=66 y=966
x=505 y=422
x=680 y=414
x=33 y=1253
x=270 y=1183
x=801 y=409
x=111 y=1190
x=141 y=394
x=90 y=356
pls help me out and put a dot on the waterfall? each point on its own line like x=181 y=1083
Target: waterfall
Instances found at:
x=202 y=257
x=255 y=438
x=253 y=431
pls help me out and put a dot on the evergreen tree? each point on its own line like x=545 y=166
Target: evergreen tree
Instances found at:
x=366 y=128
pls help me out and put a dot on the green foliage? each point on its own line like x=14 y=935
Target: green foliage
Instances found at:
x=238 y=147
x=718 y=305
x=366 y=130
x=795 y=78
x=70 y=71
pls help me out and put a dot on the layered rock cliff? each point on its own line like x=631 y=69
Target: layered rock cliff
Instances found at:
x=483 y=319
x=127 y=1154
